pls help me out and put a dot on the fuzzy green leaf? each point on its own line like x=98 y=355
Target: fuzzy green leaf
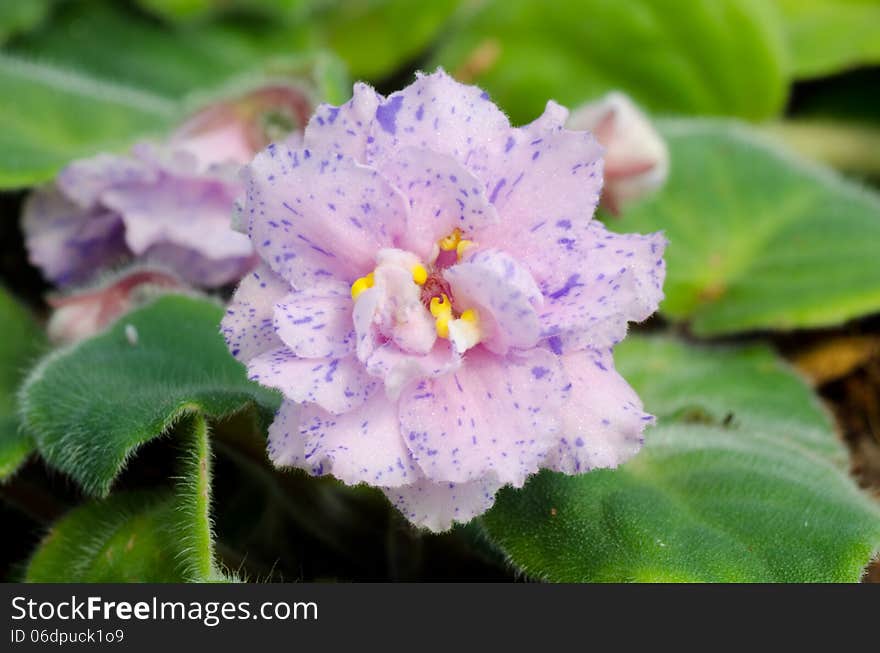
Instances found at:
x=19 y=346
x=758 y=239
x=704 y=56
x=156 y=537
x=827 y=36
x=91 y=406
x=741 y=481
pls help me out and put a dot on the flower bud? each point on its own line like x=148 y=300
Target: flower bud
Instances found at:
x=86 y=312
x=636 y=157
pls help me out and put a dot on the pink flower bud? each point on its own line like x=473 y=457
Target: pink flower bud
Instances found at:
x=636 y=157
x=86 y=312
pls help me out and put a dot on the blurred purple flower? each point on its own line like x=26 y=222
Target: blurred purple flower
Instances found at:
x=167 y=204
x=436 y=304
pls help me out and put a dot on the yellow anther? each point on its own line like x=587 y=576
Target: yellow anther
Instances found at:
x=465 y=332
x=451 y=241
x=419 y=274
x=441 y=309
x=442 y=325
x=440 y=306
x=361 y=285
x=470 y=315
x=462 y=246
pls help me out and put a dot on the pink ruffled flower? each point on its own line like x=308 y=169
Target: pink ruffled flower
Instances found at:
x=168 y=204
x=436 y=304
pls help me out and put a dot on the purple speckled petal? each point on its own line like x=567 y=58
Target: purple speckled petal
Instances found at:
x=494 y=415
x=316 y=218
x=438 y=113
x=603 y=421
x=506 y=295
x=436 y=506
x=363 y=445
x=316 y=324
x=620 y=281
x=546 y=189
x=345 y=129
x=286 y=446
x=442 y=196
x=554 y=117
x=338 y=385
x=67 y=242
x=248 y=326
x=399 y=368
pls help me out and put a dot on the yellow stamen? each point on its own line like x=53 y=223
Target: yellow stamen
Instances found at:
x=442 y=326
x=419 y=274
x=441 y=309
x=464 y=332
x=451 y=241
x=361 y=285
x=462 y=246
x=470 y=315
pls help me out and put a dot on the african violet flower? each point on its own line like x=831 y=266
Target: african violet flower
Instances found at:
x=636 y=156
x=168 y=204
x=434 y=301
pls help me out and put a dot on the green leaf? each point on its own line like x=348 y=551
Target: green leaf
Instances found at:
x=182 y=11
x=156 y=536
x=91 y=406
x=51 y=116
x=758 y=239
x=19 y=346
x=827 y=36
x=105 y=41
x=21 y=15
x=754 y=497
x=705 y=56
x=376 y=37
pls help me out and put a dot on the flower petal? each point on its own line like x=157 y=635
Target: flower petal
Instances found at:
x=438 y=113
x=84 y=181
x=248 y=326
x=398 y=368
x=505 y=294
x=436 y=506
x=316 y=324
x=442 y=196
x=338 y=385
x=603 y=421
x=360 y=446
x=344 y=129
x=188 y=213
x=69 y=243
x=197 y=269
x=545 y=189
x=286 y=446
x=495 y=415
x=621 y=281
x=316 y=218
